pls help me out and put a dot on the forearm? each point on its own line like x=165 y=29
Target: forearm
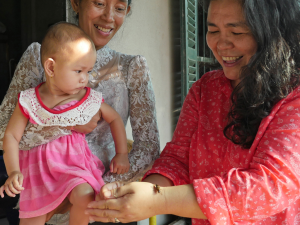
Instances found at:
x=119 y=135
x=179 y=200
x=11 y=154
x=159 y=180
x=172 y=197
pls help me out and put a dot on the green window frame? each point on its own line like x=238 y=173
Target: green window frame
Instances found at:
x=194 y=50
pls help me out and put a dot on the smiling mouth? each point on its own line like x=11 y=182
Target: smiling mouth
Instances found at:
x=103 y=29
x=231 y=59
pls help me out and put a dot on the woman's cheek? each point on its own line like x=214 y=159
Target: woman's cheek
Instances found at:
x=210 y=41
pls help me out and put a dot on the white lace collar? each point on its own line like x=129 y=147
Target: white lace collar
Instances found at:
x=79 y=114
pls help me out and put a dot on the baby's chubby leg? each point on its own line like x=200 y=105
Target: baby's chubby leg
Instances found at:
x=80 y=197
x=40 y=220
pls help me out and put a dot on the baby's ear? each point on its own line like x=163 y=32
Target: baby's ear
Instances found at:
x=49 y=67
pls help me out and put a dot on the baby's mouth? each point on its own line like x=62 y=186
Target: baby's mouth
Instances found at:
x=231 y=59
x=105 y=30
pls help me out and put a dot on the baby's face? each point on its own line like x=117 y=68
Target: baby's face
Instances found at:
x=72 y=67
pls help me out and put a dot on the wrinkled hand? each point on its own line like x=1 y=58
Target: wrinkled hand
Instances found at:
x=90 y=126
x=119 y=163
x=132 y=202
x=13 y=184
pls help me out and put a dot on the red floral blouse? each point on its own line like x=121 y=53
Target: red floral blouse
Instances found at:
x=233 y=185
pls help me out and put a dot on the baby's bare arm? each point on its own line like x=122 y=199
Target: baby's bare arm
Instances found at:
x=13 y=134
x=116 y=126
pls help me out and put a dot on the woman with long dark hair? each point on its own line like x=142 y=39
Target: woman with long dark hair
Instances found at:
x=235 y=154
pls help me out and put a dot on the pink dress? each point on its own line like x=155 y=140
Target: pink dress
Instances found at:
x=52 y=170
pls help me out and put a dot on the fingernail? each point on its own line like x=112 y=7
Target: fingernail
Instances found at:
x=107 y=194
x=91 y=220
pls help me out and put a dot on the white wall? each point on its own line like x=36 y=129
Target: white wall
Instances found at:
x=147 y=32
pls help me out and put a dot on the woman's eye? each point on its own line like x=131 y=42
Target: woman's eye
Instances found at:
x=120 y=9
x=236 y=33
x=98 y=3
x=212 y=32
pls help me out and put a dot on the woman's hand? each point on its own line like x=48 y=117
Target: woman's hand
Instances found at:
x=132 y=202
x=87 y=128
x=13 y=184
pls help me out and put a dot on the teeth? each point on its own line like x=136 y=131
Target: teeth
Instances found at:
x=102 y=29
x=230 y=58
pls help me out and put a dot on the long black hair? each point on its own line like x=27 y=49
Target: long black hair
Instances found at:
x=272 y=72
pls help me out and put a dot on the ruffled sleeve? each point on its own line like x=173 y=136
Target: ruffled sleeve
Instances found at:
x=29 y=73
x=143 y=121
x=24 y=111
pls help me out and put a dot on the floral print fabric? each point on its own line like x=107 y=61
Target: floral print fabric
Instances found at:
x=260 y=185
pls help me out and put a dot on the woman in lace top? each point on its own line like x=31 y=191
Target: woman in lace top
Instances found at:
x=123 y=79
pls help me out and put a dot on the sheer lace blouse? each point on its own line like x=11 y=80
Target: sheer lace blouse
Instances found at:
x=125 y=83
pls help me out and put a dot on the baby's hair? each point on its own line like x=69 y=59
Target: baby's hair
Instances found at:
x=58 y=36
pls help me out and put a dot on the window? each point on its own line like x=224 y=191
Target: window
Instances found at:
x=194 y=52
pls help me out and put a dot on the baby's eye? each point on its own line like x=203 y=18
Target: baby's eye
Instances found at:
x=90 y=71
x=78 y=71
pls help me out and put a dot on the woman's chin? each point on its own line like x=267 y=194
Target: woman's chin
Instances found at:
x=101 y=41
x=233 y=77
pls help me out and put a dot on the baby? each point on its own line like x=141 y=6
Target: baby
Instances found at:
x=64 y=169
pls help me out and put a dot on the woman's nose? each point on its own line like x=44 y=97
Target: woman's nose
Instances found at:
x=224 y=43
x=108 y=14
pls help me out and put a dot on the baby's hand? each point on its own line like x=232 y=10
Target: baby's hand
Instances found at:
x=120 y=163
x=13 y=185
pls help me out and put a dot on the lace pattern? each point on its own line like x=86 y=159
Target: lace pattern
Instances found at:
x=125 y=83
x=79 y=115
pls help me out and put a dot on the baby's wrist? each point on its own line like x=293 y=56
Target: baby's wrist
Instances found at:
x=122 y=153
x=13 y=172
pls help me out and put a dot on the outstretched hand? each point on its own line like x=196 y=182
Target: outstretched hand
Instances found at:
x=126 y=203
x=13 y=185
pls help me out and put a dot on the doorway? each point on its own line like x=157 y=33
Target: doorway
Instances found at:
x=21 y=23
